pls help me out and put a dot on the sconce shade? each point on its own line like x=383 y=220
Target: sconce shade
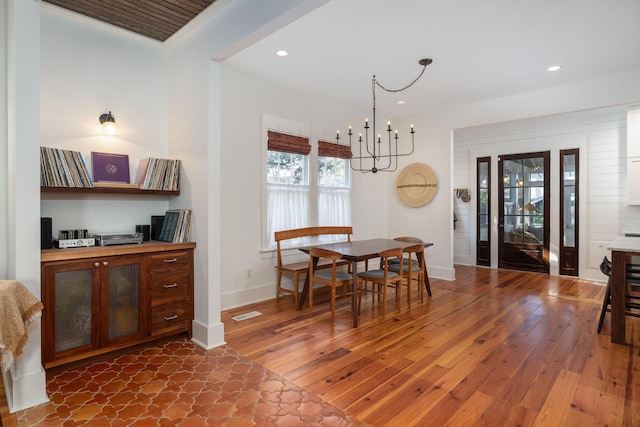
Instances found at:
x=109 y=125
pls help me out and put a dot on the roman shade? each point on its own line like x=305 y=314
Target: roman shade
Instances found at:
x=331 y=149
x=286 y=143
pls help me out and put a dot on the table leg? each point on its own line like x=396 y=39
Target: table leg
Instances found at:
x=427 y=286
x=305 y=289
x=354 y=303
x=618 y=295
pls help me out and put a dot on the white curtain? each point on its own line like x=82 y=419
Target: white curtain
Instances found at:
x=334 y=208
x=287 y=208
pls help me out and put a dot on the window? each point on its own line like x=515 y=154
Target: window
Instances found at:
x=304 y=188
x=287 y=183
x=334 y=184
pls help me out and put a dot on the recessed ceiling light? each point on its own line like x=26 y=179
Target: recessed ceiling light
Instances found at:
x=400 y=102
x=282 y=53
x=554 y=68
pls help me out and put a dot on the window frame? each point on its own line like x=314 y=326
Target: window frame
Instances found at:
x=271 y=123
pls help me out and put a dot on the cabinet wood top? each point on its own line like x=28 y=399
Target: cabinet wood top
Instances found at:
x=102 y=251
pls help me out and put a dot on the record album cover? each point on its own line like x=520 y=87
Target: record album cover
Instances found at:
x=110 y=167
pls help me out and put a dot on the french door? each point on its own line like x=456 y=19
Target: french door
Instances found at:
x=523 y=212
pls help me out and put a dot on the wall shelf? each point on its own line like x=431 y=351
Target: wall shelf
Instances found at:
x=107 y=190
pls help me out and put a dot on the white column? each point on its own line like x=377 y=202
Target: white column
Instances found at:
x=25 y=383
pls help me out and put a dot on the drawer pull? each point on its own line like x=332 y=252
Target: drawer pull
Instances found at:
x=174 y=317
x=170 y=260
x=170 y=285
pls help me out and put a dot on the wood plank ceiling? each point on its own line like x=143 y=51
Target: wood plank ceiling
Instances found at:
x=157 y=19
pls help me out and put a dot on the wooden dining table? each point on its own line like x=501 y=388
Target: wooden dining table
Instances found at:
x=357 y=251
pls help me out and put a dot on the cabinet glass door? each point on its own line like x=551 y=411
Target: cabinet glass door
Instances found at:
x=74 y=316
x=121 y=300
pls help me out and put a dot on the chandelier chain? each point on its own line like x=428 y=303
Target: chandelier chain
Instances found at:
x=424 y=67
x=375 y=83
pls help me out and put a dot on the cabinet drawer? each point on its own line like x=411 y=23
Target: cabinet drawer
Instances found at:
x=170 y=261
x=171 y=284
x=171 y=317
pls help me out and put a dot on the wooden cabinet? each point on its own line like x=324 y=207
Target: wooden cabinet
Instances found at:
x=100 y=299
x=170 y=275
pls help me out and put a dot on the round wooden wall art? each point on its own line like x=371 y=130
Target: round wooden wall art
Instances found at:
x=416 y=185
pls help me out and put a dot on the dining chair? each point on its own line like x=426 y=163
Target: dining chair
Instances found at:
x=384 y=278
x=331 y=277
x=632 y=285
x=412 y=269
x=417 y=263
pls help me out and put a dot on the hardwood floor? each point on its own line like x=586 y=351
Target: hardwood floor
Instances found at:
x=493 y=347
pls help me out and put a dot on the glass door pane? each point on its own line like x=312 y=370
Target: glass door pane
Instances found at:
x=569 y=212
x=124 y=300
x=74 y=318
x=483 y=220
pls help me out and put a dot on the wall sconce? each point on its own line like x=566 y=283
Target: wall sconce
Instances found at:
x=109 y=125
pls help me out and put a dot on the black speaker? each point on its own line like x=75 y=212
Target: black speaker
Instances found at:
x=46 y=233
x=156 y=226
x=145 y=230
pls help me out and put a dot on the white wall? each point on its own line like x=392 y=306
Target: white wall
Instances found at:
x=603 y=213
x=437 y=152
x=25 y=382
x=434 y=221
x=196 y=126
x=599 y=133
x=245 y=99
x=3 y=141
x=88 y=69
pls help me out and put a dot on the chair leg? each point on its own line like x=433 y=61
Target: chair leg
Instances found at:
x=605 y=304
x=384 y=301
x=311 y=297
x=333 y=302
x=409 y=285
x=360 y=290
x=278 y=285
x=296 y=282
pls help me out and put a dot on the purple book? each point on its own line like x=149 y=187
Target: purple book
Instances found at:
x=110 y=167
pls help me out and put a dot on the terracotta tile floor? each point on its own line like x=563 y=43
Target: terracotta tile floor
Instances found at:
x=177 y=383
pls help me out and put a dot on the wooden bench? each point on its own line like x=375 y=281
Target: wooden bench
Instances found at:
x=295 y=269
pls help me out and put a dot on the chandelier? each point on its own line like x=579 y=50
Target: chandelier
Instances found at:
x=375 y=156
